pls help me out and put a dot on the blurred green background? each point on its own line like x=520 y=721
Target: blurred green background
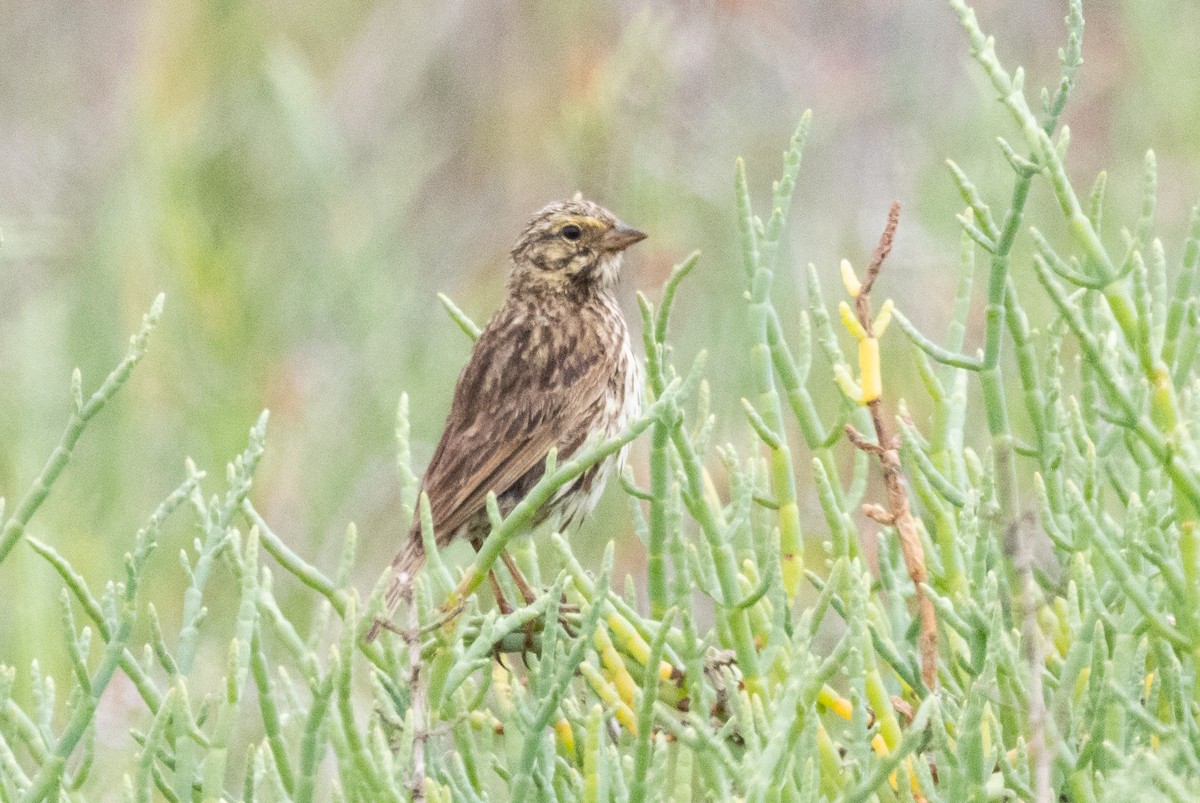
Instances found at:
x=301 y=179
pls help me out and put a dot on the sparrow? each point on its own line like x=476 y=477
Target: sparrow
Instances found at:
x=553 y=368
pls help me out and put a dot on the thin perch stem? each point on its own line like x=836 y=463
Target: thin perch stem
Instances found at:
x=887 y=451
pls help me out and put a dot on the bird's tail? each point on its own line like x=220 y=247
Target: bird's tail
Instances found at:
x=404 y=568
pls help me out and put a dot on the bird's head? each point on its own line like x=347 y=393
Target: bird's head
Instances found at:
x=571 y=245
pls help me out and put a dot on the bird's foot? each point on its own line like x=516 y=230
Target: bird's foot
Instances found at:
x=447 y=616
x=384 y=624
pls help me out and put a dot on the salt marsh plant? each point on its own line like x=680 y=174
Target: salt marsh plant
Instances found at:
x=921 y=653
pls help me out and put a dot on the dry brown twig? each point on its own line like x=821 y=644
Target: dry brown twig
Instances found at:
x=886 y=449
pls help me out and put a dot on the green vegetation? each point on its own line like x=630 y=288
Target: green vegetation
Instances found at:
x=1013 y=614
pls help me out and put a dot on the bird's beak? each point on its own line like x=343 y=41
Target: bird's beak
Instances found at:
x=620 y=237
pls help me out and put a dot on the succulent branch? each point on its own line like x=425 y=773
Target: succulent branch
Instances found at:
x=1025 y=625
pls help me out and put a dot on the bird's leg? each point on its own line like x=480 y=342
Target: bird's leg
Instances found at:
x=518 y=578
x=501 y=600
x=527 y=592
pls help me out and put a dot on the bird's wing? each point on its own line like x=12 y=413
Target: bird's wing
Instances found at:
x=524 y=390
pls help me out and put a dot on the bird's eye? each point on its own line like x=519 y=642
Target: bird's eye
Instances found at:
x=571 y=232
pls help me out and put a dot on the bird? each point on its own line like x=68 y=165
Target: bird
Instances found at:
x=553 y=368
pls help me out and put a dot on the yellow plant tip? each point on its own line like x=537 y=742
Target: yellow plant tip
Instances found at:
x=610 y=661
x=668 y=673
x=853 y=285
x=870 y=370
x=850 y=322
x=883 y=318
x=609 y=696
x=566 y=736
x=629 y=639
x=881 y=749
x=913 y=783
x=846 y=382
x=480 y=720
x=835 y=702
x=627 y=718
